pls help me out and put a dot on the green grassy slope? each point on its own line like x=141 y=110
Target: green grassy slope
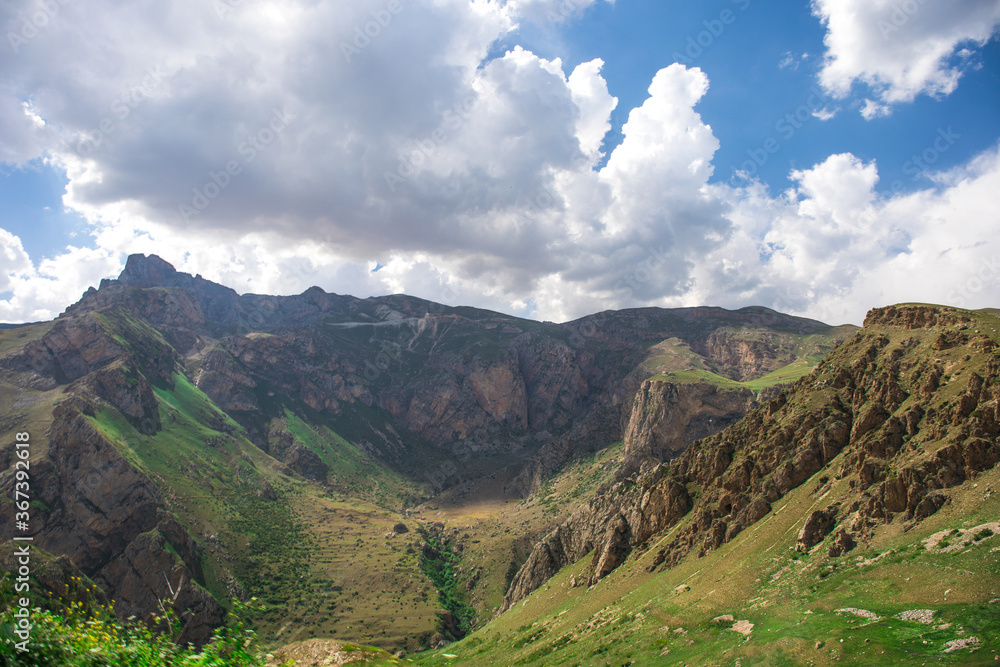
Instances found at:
x=634 y=617
x=790 y=357
x=757 y=600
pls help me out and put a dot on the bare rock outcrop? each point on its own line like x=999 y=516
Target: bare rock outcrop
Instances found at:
x=226 y=382
x=667 y=417
x=818 y=525
x=284 y=447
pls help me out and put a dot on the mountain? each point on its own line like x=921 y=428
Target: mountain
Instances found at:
x=852 y=518
x=372 y=468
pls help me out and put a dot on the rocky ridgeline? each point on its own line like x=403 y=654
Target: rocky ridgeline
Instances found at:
x=492 y=383
x=903 y=418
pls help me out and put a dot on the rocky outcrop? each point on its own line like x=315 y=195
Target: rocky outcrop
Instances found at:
x=131 y=393
x=667 y=417
x=462 y=397
x=68 y=351
x=741 y=357
x=915 y=317
x=300 y=364
x=614 y=523
x=301 y=459
x=226 y=382
x=818 y=525
x=161 y=566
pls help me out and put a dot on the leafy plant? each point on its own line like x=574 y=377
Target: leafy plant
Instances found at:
x=80 y=636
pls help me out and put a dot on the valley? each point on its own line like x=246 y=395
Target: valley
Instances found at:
x=457 y=486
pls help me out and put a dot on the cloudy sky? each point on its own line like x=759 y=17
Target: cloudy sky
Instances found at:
x=546 y=158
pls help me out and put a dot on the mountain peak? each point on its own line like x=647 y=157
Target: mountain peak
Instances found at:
x=147 y=271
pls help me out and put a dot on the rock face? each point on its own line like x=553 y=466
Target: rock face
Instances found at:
x=296 y=456
x=667 y=417
x=107 y=517
x=818 y=525
x=744 y=357
x=879 y=403
x=70 y=350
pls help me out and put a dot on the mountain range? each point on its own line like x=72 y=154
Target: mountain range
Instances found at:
x=644 y=486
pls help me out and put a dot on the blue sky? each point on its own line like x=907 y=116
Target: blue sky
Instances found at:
x=548 y=158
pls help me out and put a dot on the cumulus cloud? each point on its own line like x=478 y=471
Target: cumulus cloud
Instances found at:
x=831 y=248
x=590 y=93
x=393 y=132
x=900 y=50
x=39 y=292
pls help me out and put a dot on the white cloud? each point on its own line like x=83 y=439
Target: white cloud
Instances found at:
x=40 y=292
x=15 y=260
x=590 y=94
x=791 y=61
x=472 y=179
x=900 y=50
x=825 y=114
x=831 y=248
x=872 y=109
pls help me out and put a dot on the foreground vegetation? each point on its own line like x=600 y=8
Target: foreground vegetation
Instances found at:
x=91 y=636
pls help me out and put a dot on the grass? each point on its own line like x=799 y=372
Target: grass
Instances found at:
x=316 y=558
x=788 y=357
x=440 y=563
x=637 y=616
x=352 y=472
x=496 y=532
x=12 y=340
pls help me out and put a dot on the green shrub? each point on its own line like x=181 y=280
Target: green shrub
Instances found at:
x=78 y=637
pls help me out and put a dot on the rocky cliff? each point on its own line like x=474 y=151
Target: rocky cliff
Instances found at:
x=667 y=417
x=104 y=514
x=664 y=419
x=904 y=411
